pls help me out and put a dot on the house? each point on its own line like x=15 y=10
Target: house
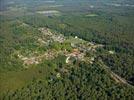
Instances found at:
x=76 y=37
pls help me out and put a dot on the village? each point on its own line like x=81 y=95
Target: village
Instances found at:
x=79 y=49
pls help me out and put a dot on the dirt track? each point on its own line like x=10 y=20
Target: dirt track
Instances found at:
x=113 y=75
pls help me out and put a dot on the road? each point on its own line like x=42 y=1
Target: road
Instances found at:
x=113 y=75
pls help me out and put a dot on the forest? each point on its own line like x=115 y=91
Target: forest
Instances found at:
x=33 y=61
